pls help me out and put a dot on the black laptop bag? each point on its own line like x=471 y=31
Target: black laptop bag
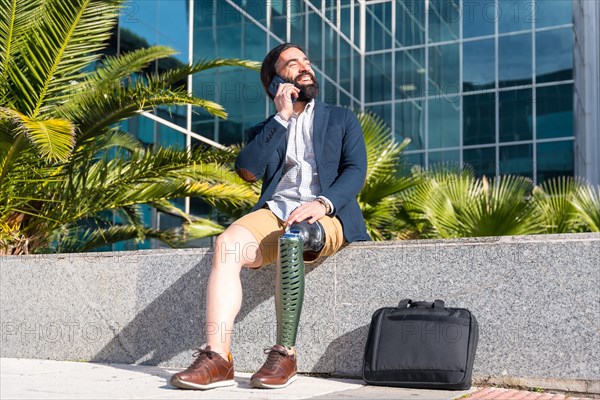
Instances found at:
x=421 y=345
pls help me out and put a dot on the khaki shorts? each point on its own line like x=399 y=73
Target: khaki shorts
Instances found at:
x=267 y=228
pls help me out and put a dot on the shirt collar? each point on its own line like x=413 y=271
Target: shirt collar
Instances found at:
x=308 y=109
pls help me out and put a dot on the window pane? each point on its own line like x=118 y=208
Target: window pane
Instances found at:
x=345 y=62
x=444 y=123
x=483 y=161
x=516 y=160
x=297 y=24
x=515 y=15
x=410 y=22
x=444 y=157
x=554 y=111
x=554 y=55
x=410 y=73
x=378 y=77
x=315 y=45
x=378 y=26
x=415 y=159
x=444 y=17
x=331 y=58
x=278 y=18
x=410 y=123
x=553 y=12
x=514 y=53
x=516 y=115
x=444 y=69
x=479 y=120
x=554 y=159
x=479 y=18
x=479 y=68
x=384 y=112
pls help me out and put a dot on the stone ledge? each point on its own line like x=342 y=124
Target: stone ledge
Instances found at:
x=536 y=299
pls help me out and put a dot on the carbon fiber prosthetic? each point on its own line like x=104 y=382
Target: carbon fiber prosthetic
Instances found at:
x=289 y=286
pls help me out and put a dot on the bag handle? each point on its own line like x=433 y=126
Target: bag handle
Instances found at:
x=437 y=304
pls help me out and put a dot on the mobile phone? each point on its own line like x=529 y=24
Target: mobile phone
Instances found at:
x=277 y=80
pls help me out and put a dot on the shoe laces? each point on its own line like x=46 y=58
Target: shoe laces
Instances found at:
x=202 y=354
x=274 y=356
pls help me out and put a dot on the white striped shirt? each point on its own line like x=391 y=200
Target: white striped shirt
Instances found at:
x=300 y=179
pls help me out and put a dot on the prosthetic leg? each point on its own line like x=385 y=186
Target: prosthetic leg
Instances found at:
x=289 y=288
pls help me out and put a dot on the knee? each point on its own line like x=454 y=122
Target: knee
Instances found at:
x=233 y=249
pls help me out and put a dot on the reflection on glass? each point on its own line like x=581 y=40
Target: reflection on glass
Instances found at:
x=516 y=160
x=515 y=15
x=479 y=17
x=378 y=77
x=554 y=111
x=444 y=123
x=553 y=12
x=554 y=159
x=483 y=161
x=410 y=73
x=514 y=60
x=479 y=119
x=516 y=115
x=444 y=19
x=410 y=123
x=378 y=26
x=554 y=55
x=444 y=69
x=410 y=22
x=479 y=70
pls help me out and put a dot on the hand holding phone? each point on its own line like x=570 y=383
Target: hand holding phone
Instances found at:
x=274 y=86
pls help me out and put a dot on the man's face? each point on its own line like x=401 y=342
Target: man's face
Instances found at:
x=294 y=66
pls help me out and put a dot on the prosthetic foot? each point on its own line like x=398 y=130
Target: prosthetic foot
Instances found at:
x=289 y=288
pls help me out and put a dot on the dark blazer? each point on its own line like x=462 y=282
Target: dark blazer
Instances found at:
x=340 y=157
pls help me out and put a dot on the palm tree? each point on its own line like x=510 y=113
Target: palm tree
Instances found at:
x=385 y=180
x=451 y=202
x=64 y=163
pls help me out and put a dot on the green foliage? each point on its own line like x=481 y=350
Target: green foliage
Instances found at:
x=451 y=203
x=447 y=201
x=566 y=204
x=385 y=181
x=64 y=166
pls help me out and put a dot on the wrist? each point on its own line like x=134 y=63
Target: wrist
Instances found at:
x=283 y=116
x=324 y=204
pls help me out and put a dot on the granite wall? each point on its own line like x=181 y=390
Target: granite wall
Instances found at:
x=537 y=299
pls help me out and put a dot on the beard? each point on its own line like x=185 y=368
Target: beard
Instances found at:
x=307 y=92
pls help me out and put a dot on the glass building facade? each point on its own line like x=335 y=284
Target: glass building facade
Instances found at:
x=487 y=83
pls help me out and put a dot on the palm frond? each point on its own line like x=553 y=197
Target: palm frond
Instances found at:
x=66 y=38
x=54 y=138
x=98 y=110
x=553 y=201
x=16 y=18
x=586 y=200
x=116 y=68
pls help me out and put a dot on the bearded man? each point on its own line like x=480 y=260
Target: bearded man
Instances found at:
x=311 y=158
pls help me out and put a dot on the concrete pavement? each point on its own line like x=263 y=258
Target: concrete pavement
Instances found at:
x=48 y=379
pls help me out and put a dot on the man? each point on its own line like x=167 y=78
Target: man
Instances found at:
x=312 y=160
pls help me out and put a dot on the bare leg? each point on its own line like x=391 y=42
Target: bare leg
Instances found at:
x=234 y=248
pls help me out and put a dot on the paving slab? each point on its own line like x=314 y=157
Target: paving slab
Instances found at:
x=48 y=379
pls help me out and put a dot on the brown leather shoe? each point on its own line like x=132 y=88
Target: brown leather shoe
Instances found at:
x=278 y=371
x=209 y=370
